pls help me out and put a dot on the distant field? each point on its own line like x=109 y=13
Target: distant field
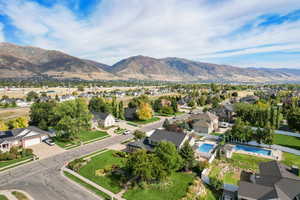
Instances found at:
x=21 y=92
x=11 y=113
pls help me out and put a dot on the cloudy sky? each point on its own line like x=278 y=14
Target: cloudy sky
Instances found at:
x=249 y=33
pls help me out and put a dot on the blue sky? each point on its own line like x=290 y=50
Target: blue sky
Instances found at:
x=247 y=33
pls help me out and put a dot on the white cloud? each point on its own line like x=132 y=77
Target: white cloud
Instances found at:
x=116 y=29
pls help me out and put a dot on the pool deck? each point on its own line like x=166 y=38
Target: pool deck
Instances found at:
x=275 y=154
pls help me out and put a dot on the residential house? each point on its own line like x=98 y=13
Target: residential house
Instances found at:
x=103 y=119
x=22 y=103
x=24 y=137
x=274 y=181
x=159 y=135
x=66 y=98
x=204 y=122
x=224 y=112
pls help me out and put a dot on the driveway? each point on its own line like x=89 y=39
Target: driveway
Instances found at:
x=43 y=150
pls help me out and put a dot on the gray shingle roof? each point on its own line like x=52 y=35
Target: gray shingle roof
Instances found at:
x=275 y=179
x=163 y=135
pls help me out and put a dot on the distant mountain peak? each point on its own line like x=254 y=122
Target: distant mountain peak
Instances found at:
x=25 y=61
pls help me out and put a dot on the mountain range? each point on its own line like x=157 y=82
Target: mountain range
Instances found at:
x=25 y=62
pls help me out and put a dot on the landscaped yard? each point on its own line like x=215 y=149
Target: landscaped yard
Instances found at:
x=175 y=189
x=141 y=122
x=10 y=162
x=102 y=161
x=85 y=137
x=229 y=170
x=288 y=141
x=2 y=197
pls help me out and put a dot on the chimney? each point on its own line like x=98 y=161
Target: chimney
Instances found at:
x=295 y=170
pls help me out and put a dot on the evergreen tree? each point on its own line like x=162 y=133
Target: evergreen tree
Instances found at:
x=121 y=111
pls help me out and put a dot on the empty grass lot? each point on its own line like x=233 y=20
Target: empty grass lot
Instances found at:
x=291 y=159
x=287 y=141
x=99 y=162
x=84 y=136
x=175 y=189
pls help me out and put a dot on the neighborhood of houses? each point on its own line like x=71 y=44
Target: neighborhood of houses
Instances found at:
x=204 y=130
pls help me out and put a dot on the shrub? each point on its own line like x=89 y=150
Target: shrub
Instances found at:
x=76 y=164
x=26 y=152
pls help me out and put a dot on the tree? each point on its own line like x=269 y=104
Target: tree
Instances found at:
x=3 y=126
x=166 y=123
x=121 y=110
x=139 y=134
x=293 y=119
x=80 y=88
x=202 y=100
x=169 y=156
x=98 y=104
x=74 y=117
x=20 y=122
x=144 y=167
x=42 y=114
x=32 y=96
x=216 y=183
x=144 y=111
x=187 y=154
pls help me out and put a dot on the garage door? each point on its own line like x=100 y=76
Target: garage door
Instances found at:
x=30 y=142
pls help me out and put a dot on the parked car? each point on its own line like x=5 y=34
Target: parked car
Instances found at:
x=224 y=125
x=126 y=132
x=49 y=141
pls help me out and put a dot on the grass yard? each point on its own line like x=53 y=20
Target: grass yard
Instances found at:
x=176 y=189
x=2 y=197
x=87 y=186
x=84 y=137
x=291 y=159
x=244 y=161
x=10 y=162
x=287 y=141
x=99 y=162
x=19 y=195
x=169 y=115
x=142 y=122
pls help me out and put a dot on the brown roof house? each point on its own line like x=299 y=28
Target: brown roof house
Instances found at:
x=204 y=122
x=275 y=181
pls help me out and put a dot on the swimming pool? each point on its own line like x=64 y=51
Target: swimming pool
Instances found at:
x=253 y=150
x=205 y=148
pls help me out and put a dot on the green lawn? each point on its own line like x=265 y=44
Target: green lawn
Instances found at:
x=246 y=161
x=141 y=122
x=175 y=190
x=10 y=162
x=99 y=162
x=169 y=115
x=288 y=141
x=87 y=186
x=2 y=197
x=291 y=159
x=84 y=137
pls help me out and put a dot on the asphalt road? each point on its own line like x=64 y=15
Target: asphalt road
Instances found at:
x=42 y=179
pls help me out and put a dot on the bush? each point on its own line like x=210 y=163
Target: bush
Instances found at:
x=76 y=164
x=120 y=154
x=26 y=152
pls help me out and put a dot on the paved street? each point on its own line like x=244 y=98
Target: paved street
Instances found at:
x=42 y=179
